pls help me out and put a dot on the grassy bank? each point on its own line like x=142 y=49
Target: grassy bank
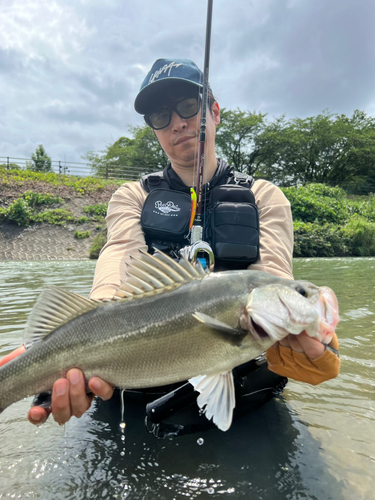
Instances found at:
x=327 y=222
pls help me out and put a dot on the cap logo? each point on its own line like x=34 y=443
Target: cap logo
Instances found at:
x=164 y=69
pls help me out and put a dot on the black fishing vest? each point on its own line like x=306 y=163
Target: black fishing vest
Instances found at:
x=230 y=216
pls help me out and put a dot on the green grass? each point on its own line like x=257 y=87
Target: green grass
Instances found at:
x=81 y=185
x=81 y=235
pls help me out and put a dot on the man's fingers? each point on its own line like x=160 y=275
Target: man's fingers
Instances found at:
x=38 y=415
x=60 y=401
x=292 y=342
x=79 y=402
x=285 y=341
x=101 y=388
x=295 y=344
x=312 y=347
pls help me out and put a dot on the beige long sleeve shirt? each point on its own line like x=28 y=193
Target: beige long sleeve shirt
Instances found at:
x=125 y=235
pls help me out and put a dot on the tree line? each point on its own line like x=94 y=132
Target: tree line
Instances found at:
x=328 y=148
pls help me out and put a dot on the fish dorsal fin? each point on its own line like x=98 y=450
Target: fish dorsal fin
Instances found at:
x=53 y=308
x=149 y=273
x=217 y=397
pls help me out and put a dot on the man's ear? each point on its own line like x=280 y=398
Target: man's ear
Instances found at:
x=216 y=113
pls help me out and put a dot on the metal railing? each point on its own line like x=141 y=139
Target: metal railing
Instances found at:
x=78 y=169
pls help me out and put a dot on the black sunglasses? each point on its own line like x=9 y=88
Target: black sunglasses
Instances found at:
x=161 y=117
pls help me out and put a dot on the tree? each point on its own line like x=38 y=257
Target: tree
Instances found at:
x=327 y=148
x=236 y=139
x=41 y=162
x=130 y=157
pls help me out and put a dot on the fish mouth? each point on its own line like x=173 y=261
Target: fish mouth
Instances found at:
x=258 y=331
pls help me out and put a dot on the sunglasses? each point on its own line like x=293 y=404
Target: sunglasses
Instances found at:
x=161 y=117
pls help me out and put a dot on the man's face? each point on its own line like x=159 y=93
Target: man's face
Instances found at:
x=180 y=139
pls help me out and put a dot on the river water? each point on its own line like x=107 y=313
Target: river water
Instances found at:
x=311 y=443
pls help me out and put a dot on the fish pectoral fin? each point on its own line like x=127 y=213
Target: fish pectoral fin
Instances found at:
x=217 y=397
x=218 y=325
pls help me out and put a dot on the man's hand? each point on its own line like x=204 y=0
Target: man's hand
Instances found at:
x=312 y=347
x=69 y=397
x=304 y=358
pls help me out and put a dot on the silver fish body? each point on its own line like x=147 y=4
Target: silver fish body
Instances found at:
x=154 y=338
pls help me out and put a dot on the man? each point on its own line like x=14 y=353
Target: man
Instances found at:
x=170 y=101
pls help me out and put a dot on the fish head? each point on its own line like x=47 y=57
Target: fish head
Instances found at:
x=277 y=310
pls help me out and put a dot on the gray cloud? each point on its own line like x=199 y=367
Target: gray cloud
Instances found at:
x=70 y=70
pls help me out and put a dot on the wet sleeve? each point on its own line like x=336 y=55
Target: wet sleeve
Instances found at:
x=288 y=363
x=125 y=238
x=276 y=230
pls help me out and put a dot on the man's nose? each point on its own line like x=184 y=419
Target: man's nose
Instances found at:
x=178 y=123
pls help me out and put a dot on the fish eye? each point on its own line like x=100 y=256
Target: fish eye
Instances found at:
x=302 y=291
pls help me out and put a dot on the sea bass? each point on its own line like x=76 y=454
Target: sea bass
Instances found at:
x=174 y=323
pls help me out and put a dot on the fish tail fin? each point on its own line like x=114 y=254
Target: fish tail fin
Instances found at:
x=216 y=398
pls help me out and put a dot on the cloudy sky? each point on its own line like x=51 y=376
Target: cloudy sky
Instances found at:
x=70 y=69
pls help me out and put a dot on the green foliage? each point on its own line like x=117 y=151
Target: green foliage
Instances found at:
x=361 y=234
x=82 y=220
x=99 y=241
x=318 y=202
x=81 y=235
x=80 y=185
x=41 y=162
x=363 y=206
x=33 y=199
x=19 y=212
x=23 y=211
x=142 y=154
x=58 y=216
x=327 y=148
x=100 y=209
x=236 y=139
x=316 y=240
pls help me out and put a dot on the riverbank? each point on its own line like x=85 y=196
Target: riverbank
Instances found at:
x=50 y=217
x=45 y=216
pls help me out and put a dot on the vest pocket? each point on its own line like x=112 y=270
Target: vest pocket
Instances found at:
x=235 y=231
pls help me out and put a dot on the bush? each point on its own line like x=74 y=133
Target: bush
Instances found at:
x=364 y=206
x=361 y=235
x=81 y=235
x=100 y=209
x=34 y=199
x=99 y=241
x=315 y=240
x=317 y=202
x=82 y=220
x=58 y=216
x=19 y=212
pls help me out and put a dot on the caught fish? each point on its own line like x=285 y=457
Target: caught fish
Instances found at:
x=174 y=323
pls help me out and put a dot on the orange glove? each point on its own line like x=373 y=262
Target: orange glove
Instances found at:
x=296 y=365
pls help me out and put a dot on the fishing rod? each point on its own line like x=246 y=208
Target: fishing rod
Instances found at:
x=197 y=245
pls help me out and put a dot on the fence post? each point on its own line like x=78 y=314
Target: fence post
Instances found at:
x=59 y=167
x=7 y=162
x=106 y=171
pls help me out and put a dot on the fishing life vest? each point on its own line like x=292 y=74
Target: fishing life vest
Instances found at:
x=230 y=215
